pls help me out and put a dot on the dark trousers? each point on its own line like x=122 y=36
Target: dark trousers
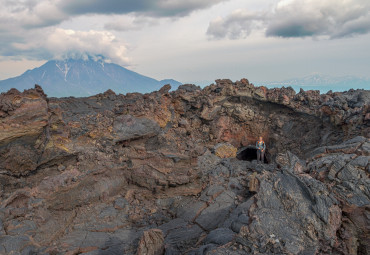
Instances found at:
x=260 y=156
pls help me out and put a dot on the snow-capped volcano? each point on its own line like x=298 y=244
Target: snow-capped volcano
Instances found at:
x=83 y=77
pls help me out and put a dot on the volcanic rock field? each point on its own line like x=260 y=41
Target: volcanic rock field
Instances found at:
x=175 y=172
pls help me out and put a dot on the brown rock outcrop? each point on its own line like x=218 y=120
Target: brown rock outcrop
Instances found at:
x=23 y=122
x=96 y=175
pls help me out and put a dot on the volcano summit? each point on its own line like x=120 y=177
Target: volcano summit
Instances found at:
x=84 y=77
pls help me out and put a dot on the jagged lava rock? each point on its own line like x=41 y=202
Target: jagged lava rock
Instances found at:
x=99 y=175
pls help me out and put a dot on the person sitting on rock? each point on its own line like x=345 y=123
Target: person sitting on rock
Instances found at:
x=261 y=147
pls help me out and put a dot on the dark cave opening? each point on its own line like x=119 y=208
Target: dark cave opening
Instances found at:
x=250 y=154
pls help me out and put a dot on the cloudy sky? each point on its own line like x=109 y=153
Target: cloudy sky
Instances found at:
x=192 y=40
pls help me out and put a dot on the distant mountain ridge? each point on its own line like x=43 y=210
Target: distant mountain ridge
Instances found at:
x=84 y=77
x=322 y=82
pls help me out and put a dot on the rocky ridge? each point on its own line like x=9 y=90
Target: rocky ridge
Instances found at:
x=174 y=172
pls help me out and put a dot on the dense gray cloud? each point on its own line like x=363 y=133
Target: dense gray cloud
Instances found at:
x=44 y=13
x=149 y=7
x=299 y=18
x=333 y=18
x=29 y=28
x=31 y=14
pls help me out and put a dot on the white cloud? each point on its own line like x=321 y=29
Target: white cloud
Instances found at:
x=62 y=43
x=130 y=22
x=238 y=24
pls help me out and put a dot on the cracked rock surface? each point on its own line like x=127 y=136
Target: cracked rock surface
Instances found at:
x=175 y=172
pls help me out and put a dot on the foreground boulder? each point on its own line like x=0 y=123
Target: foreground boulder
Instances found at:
x=24 y=118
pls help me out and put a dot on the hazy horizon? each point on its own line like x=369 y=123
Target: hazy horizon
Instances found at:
x=315 y=81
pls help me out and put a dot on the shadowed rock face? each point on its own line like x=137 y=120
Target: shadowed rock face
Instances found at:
x=110 y=173
x=250 y=153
